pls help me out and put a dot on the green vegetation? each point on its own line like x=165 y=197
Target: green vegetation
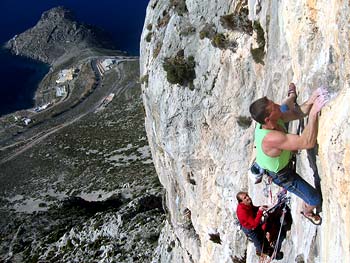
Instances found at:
x=218 y=40
x=207 y=31
x=260 y=33
x=238 y=20
x=221 y=41
x=258 y=53
x=189 y=30
x=179 y=6
x=144 y=79
x=157 y=49
x=180 y=70
x=163 y=20
x=148 y=38
x=244 y=121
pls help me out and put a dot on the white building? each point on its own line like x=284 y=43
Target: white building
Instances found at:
x=61 y=91
x=107 y=64
x=42 y=107
x=26 y=121
x=65 y=75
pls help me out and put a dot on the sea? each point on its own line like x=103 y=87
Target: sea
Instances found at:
x=20 y=77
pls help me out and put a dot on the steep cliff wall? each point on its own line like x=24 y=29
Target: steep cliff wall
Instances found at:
x=200 y=133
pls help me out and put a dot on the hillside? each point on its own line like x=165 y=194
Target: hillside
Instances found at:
x=77 y=178
x=87 y=192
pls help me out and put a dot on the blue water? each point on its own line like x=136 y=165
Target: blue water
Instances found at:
x=122 y=19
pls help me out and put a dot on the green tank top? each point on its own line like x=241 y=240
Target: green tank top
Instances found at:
x=272 y=164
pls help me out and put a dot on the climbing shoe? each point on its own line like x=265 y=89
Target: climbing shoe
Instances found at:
x=313 y=218
x=292 y=89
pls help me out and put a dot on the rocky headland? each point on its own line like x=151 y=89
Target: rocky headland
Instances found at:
x=57 y=33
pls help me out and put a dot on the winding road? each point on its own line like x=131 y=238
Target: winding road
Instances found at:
x=80 y=110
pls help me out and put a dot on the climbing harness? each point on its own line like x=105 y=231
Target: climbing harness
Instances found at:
x=282 y=199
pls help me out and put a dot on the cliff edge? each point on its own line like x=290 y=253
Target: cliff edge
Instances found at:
x=202 y=64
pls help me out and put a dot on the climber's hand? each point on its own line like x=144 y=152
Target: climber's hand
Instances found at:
x=318 y=104
x=321 y=91
x=263 y=208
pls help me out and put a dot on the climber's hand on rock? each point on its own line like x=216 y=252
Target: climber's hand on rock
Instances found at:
x=319 y=103
x=321 y=91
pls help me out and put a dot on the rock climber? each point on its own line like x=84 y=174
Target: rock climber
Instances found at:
x=288 y=104
x=250 y=218
x=274 y=145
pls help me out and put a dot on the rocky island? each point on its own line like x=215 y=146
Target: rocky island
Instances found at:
x=77 y=178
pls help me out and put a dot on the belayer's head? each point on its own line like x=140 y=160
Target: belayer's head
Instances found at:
x=264 y=110
x=244 y=198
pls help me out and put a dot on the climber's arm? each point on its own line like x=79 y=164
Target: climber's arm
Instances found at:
x=304 y=109
x=276 y=140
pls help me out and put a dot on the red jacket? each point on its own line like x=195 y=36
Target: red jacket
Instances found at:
x=249 y=216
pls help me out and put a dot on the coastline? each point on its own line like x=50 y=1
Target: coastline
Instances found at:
x=21 y=77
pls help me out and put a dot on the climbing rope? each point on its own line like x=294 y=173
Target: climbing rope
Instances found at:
x=282 y=199
x=284 y=211
x=267 y=188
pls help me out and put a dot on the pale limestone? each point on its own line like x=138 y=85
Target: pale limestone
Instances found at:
x=194 y=134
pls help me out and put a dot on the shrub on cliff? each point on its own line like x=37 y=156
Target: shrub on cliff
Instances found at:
x=163 y=20
x=207 y=31
x=180 y=70
x=218 y=40
x=144 y=79
x=238 y=20
x=259 y=52
x=157 y=49
x=148 y=38
x=179 y=6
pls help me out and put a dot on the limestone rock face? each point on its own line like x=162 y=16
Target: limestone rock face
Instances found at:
x=56 y=34
x=200 y=132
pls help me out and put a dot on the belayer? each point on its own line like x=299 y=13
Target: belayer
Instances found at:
x=262 y=234
x=274 y=145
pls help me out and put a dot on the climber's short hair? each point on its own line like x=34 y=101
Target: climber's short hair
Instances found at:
x=258 y=110
x=238 y=196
